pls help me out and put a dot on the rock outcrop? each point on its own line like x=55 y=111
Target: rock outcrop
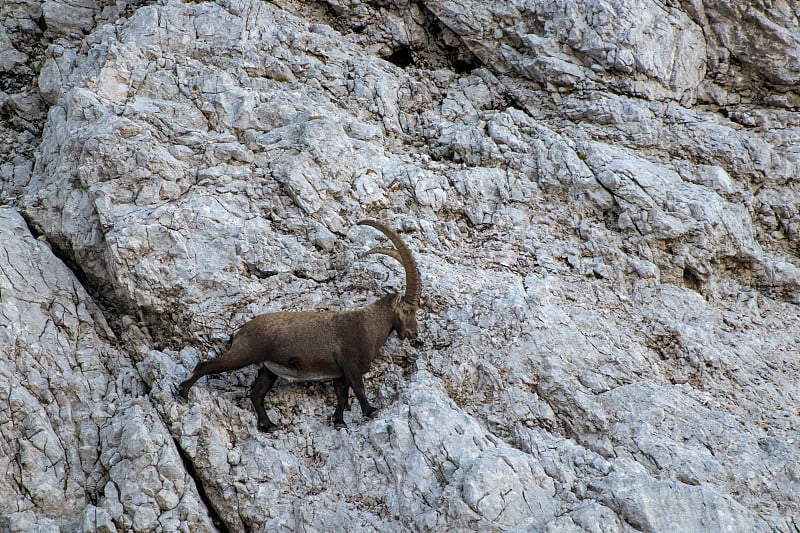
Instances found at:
x=603 y=199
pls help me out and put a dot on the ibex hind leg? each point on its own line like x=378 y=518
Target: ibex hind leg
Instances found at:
x=235 y=358
x=261 y=386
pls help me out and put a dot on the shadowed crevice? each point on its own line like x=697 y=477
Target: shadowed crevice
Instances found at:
x=188 y=466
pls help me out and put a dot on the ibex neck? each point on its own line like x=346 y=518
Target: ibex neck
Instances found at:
x=378 y=320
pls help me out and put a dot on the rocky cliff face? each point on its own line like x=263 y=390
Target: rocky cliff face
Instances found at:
x=603 y=198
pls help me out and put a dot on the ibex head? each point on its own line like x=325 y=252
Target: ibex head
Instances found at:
x=406 y=305
x=405 y=319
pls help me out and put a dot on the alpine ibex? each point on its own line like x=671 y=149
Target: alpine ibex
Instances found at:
x=317 y=345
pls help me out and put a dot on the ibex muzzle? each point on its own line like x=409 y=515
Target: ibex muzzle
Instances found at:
x=319 y=345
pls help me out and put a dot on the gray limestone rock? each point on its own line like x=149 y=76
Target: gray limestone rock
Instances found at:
x=82 y=447
x=653 y=51
x=602 y=198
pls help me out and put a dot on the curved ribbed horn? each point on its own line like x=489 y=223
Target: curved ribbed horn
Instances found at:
x=413 y=282
x=391 y=252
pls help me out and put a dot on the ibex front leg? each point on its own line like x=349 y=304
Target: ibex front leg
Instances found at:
x=342 y=391
x=356 y=382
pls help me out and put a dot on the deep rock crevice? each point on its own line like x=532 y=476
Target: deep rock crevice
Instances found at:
x=216 y=519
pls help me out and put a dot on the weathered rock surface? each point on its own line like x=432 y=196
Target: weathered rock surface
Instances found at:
x=82 y=447
x=603 y=198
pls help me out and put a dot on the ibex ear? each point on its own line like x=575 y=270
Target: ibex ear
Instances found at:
x=398 y=300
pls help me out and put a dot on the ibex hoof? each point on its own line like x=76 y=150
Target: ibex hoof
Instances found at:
x=340 y=425
x=181 y=395
x=373 y=413
x=267 y=428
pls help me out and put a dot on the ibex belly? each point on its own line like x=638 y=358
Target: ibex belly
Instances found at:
x=294 y=373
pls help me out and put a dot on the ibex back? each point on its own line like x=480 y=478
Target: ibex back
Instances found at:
x=319 y=345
